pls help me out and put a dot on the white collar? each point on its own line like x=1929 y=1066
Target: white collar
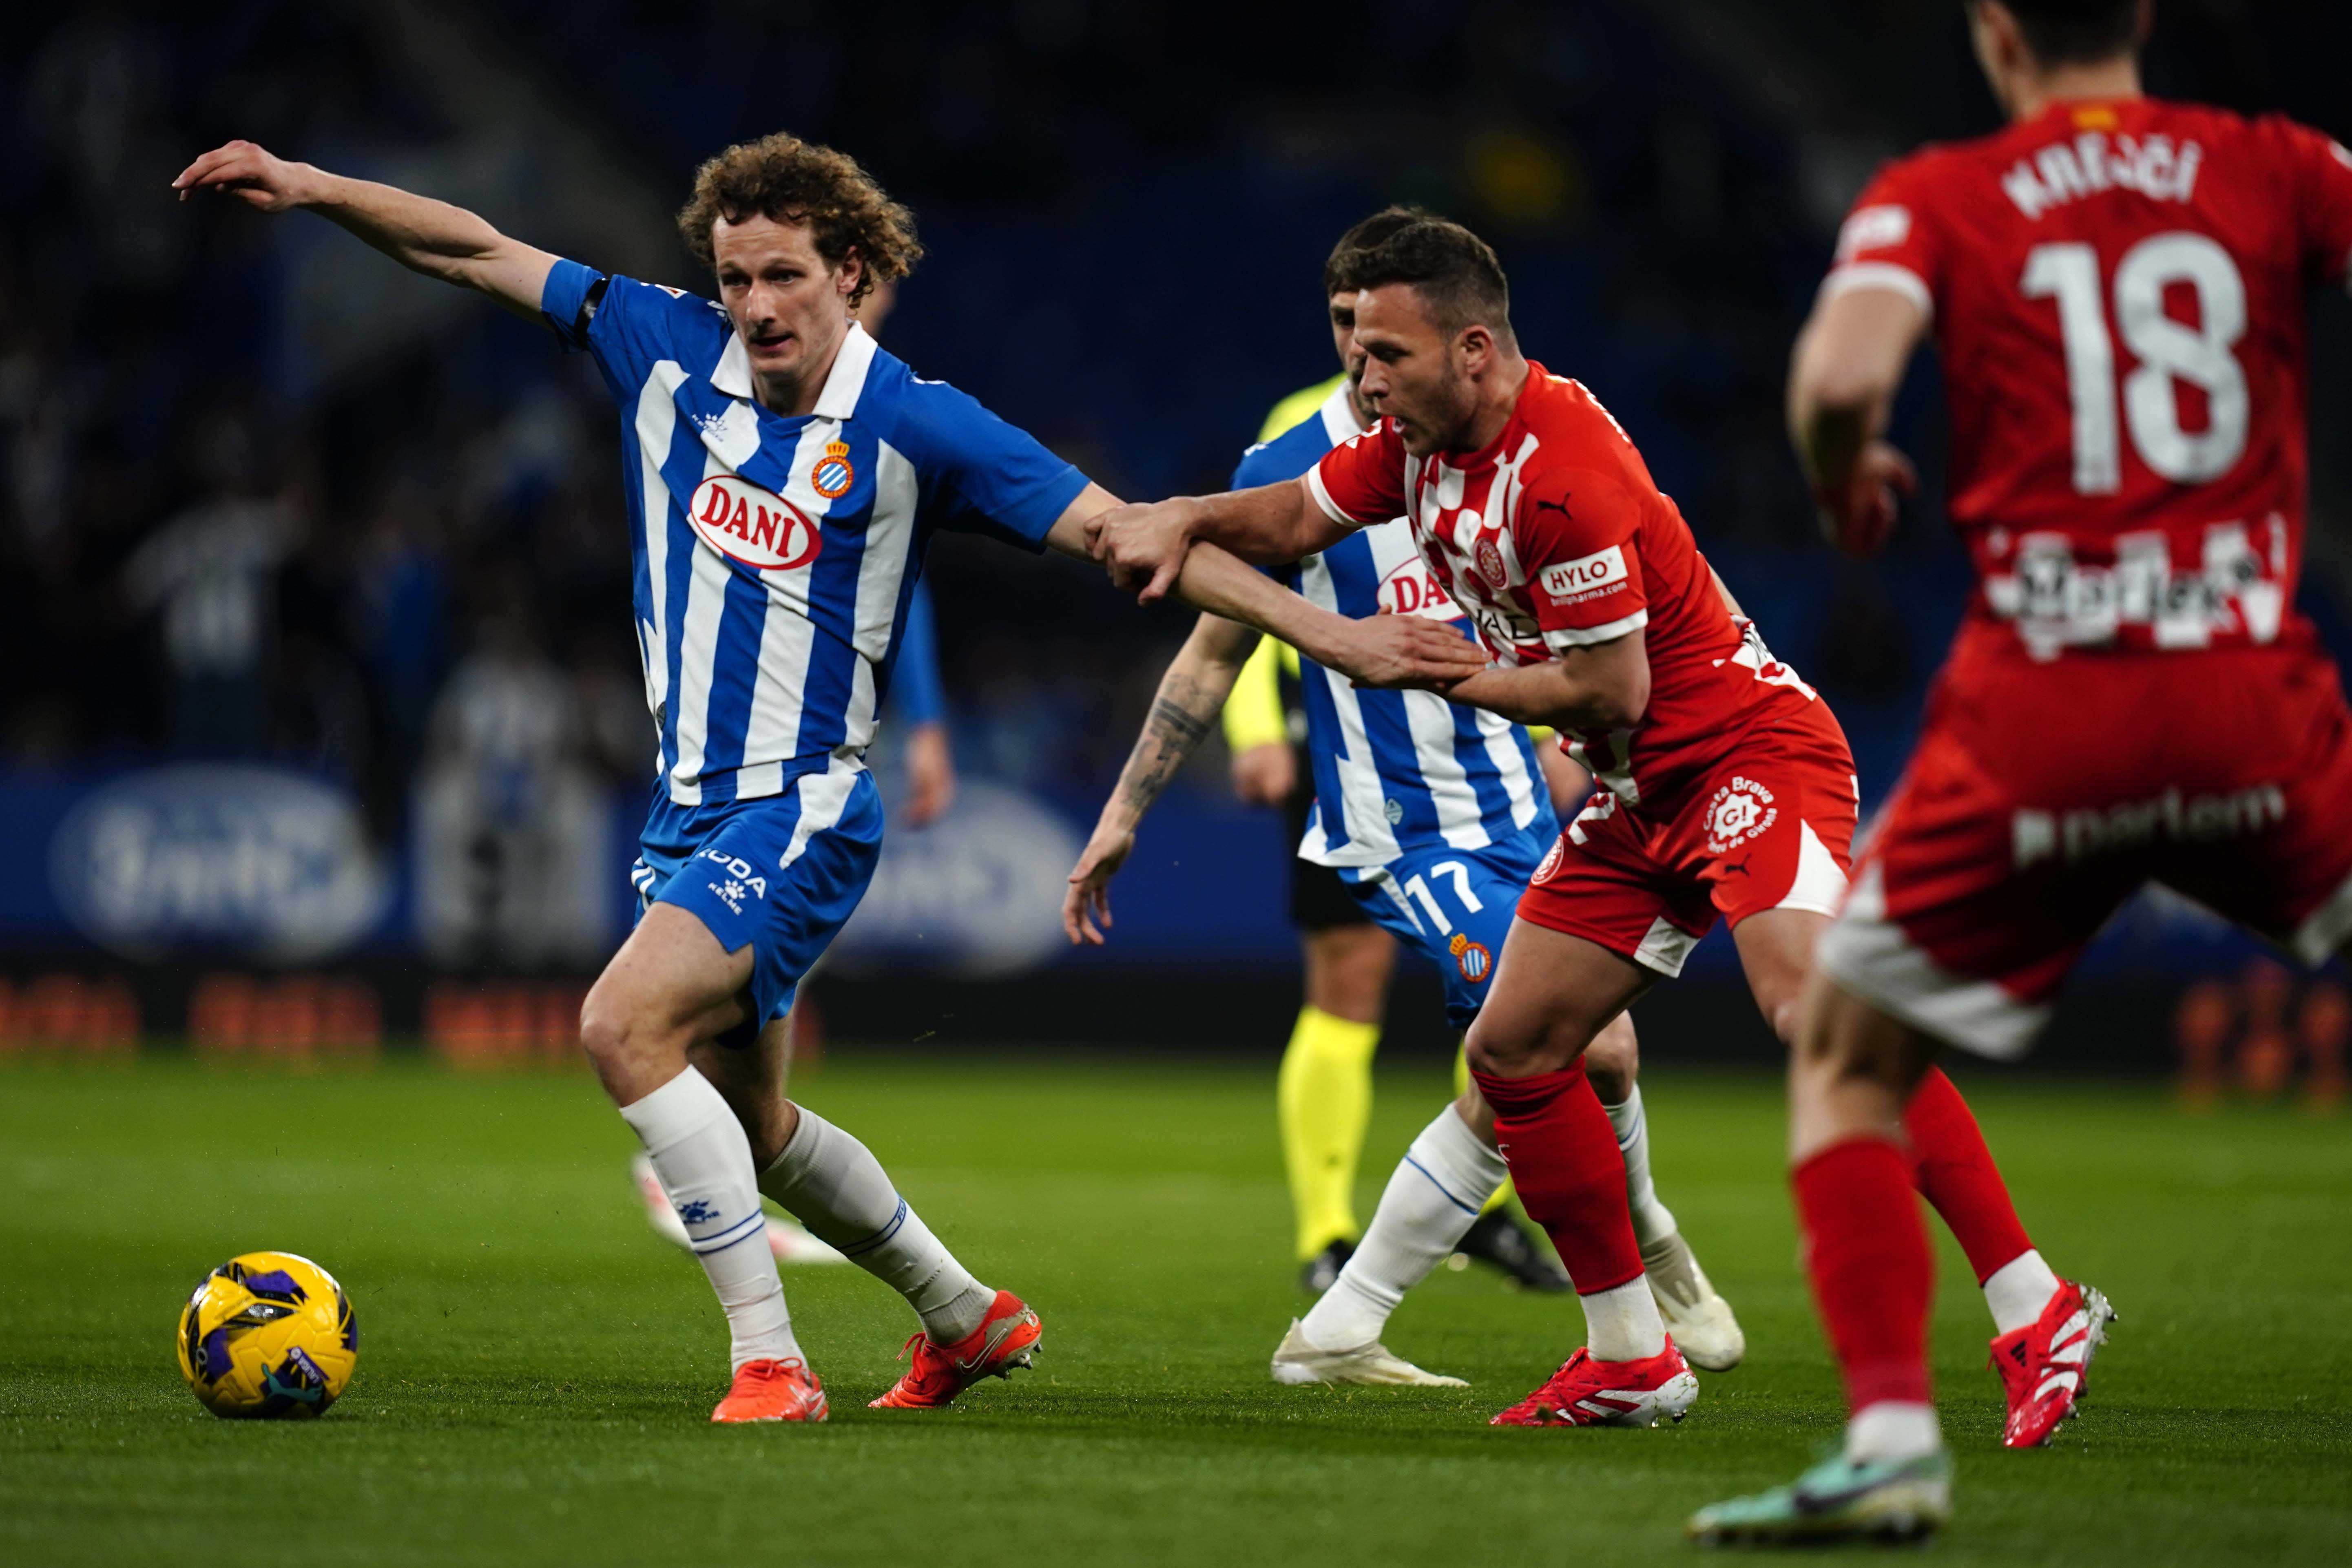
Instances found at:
x=842 y=382
x=1339 y=414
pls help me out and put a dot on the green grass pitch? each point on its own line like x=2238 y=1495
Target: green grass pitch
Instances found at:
x=536 y=1368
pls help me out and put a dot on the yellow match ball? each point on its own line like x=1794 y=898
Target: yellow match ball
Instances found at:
x=268 y=1333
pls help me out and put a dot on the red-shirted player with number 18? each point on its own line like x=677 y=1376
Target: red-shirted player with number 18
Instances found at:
x=2117 y=285
x=1726 y=787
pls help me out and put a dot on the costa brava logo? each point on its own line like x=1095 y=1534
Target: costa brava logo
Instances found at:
x=1741 y=810
x=759 y=528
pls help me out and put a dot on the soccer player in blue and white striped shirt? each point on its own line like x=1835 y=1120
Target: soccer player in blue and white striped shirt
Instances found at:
x=783 y=477
x=1436 y=815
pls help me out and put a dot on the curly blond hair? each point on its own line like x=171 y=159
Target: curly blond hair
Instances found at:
x=791 y=181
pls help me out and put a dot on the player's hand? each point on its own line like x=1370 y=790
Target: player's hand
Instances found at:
x=1265 y=775
x=1143 y=547
x=1086 y=908
x=930 y=776
x=252 y=174
x=1860 y=519
x=1398 y=651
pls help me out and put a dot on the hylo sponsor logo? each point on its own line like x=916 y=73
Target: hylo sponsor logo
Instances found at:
x=756 y=527
x=1566 y=580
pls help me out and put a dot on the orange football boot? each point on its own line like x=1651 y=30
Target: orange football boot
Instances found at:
x=1005 y=1339
x=773 y=1391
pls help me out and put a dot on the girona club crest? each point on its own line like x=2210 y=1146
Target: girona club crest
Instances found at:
x=833 y=475
x=758 y=528
x=1740 y=811
x=1490 y=564
x=1470 y=958
x=1550 y=866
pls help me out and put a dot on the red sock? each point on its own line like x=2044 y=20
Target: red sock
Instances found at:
x=1570 y=1177
x=1874 y=1277
x=1955 y=1172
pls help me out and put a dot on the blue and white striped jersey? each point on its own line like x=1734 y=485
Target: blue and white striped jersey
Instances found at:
x=1394 y=771
x=775 y=555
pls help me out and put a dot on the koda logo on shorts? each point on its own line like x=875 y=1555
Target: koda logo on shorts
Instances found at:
x=1471 y=957
x=759 y=528
x=1564 y=581
x=1741 y=810
x=741 y=881
x=833 y=475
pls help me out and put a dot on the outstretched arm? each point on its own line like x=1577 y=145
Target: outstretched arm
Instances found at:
x=1843 y=374
x=1143 y=546
x=1189 y=694
x=1606 y=686
x=1383 y=650
x=421 y=234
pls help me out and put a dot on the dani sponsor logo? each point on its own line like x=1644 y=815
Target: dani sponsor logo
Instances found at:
x=759 y=528
x=1413 y=589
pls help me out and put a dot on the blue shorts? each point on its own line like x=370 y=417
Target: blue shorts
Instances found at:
x=781 y=873
x=1455 y=905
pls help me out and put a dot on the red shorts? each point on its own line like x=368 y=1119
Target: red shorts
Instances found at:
x=2043 y=795
x=1770 y=827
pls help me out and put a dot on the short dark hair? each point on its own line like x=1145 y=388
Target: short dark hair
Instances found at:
x=1453 y=270
x=791 y=181
x=1367 y=234
x=2077 y=32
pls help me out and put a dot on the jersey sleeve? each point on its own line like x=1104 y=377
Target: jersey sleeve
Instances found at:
x=1361 y=480
x=628 y=326
x=2322 y=181
x=1577 y=545
x=916 y=689
x=1890 y=241
x=985 y=476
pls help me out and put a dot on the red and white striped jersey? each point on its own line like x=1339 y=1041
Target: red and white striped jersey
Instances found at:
x=2118 y=291
x=1553 y=536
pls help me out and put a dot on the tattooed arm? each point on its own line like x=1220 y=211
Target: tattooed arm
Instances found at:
x=1190 y=695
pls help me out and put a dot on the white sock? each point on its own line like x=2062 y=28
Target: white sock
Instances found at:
x=834 y=1185
x=1892 y=1431
x=1428 y=1204
x=1652 y=1221
x=704 y=1160
x=2017 y=1290
x=1623 y=1324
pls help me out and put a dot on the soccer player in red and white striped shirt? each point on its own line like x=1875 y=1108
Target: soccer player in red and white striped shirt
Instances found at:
x=1726 y=787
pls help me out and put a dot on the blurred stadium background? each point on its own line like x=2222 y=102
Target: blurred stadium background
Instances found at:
x=320 y=726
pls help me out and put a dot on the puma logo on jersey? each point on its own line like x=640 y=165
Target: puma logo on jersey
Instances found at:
x=1567 y=580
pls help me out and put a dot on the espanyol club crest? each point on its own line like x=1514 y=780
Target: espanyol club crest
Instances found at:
x=1741 y=810
x=758 y=528
x=1471 y=957
x=833 y=475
